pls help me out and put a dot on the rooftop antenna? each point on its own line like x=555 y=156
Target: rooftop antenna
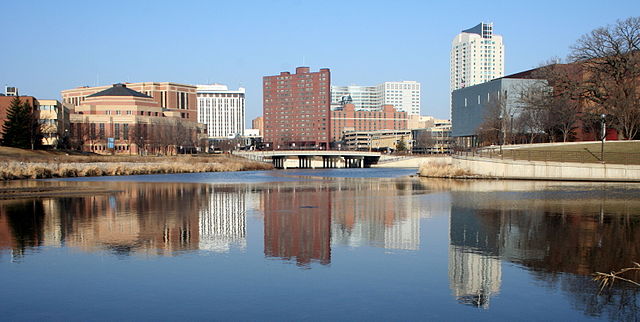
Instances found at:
x=303 y=61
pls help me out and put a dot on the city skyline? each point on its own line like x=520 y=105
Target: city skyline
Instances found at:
x=97 y=44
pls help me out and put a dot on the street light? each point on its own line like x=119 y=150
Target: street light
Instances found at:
x=511 y=141
x=604 y=135
x=500 y=134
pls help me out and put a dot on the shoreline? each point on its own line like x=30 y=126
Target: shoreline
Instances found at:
x=490 y=169
x=47 y=169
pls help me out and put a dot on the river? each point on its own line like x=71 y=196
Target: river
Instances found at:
x=340 y=244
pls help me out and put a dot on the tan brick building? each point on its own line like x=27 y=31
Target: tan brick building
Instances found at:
x=121 y=120
x=54 y=121
x=258 y=124
x=176 y=100
x=348 y=119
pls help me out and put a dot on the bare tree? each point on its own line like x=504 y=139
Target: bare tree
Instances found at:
x=425 y=140
x=492 y=128
x=138 y=136
x=180 y=137
x=610 y=60
x=546 y=109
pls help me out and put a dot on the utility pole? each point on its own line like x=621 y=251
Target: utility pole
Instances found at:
x=604 y=136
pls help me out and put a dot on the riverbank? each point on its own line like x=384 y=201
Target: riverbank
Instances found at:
x=26 y=164
x=475 y=167
x=444 y=169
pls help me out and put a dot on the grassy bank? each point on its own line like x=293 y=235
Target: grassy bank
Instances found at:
x=615 y=152
x=26 y=164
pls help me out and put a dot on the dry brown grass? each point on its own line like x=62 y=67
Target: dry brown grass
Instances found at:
x=607 y=279
x=441 y=170
x=61 y=156
x=10 y=170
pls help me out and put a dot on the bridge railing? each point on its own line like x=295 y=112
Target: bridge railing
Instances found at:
x=585 y=156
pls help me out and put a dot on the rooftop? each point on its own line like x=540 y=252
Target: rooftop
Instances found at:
x=119 y=90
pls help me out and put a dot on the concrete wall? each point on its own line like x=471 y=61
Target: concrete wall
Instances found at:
x=411 y=162
x=539 y=170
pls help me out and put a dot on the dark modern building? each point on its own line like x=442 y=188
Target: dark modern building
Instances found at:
x=470 y=105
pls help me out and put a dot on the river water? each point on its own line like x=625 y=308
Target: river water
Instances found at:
x=343 y=244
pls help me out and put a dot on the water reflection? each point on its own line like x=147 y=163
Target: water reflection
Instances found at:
x=222 y=225
x=142 y=219
x=376 y=214
x=297 y=223
x=558 y=233
x=561 y=236
x=302 y=220
x=475 y=272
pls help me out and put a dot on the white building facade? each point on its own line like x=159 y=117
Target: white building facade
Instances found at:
x=477 y=56
x=404 y=96
x=221 y=110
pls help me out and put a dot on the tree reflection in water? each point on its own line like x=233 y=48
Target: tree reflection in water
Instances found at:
x=560 y=234
x=562 y=239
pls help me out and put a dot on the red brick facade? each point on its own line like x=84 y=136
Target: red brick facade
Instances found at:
x=5 y=103
x=296 y=109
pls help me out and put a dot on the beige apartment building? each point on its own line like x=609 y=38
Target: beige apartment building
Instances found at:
x=380 y=140
x=54 y=121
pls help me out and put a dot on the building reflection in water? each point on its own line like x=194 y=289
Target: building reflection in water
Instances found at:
x=562 y=237
x=475 y=272
x=143 y=219
x=302 y=221
x=222 y=224
x=380 y=214
x=297 y=222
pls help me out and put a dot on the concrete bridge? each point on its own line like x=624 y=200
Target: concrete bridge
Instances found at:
x=308 y=159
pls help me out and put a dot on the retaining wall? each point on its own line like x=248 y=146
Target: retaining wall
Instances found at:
x=412 y=162
x=540 y=170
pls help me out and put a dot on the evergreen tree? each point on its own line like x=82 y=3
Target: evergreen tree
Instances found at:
x=21 y=128
x=35 y=128
x=401 y=146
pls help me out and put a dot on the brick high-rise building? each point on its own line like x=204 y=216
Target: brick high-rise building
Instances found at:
x=296 y=109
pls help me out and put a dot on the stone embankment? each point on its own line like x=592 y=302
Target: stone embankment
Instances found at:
x=409 y=161
x=478 y=167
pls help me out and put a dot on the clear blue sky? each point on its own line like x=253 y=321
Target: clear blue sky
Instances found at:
x=49 y=46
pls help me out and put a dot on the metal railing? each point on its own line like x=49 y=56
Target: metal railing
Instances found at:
x=585 y=156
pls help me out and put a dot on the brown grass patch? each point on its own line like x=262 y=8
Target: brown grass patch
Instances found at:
x=441 y=170
x=11 y=170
